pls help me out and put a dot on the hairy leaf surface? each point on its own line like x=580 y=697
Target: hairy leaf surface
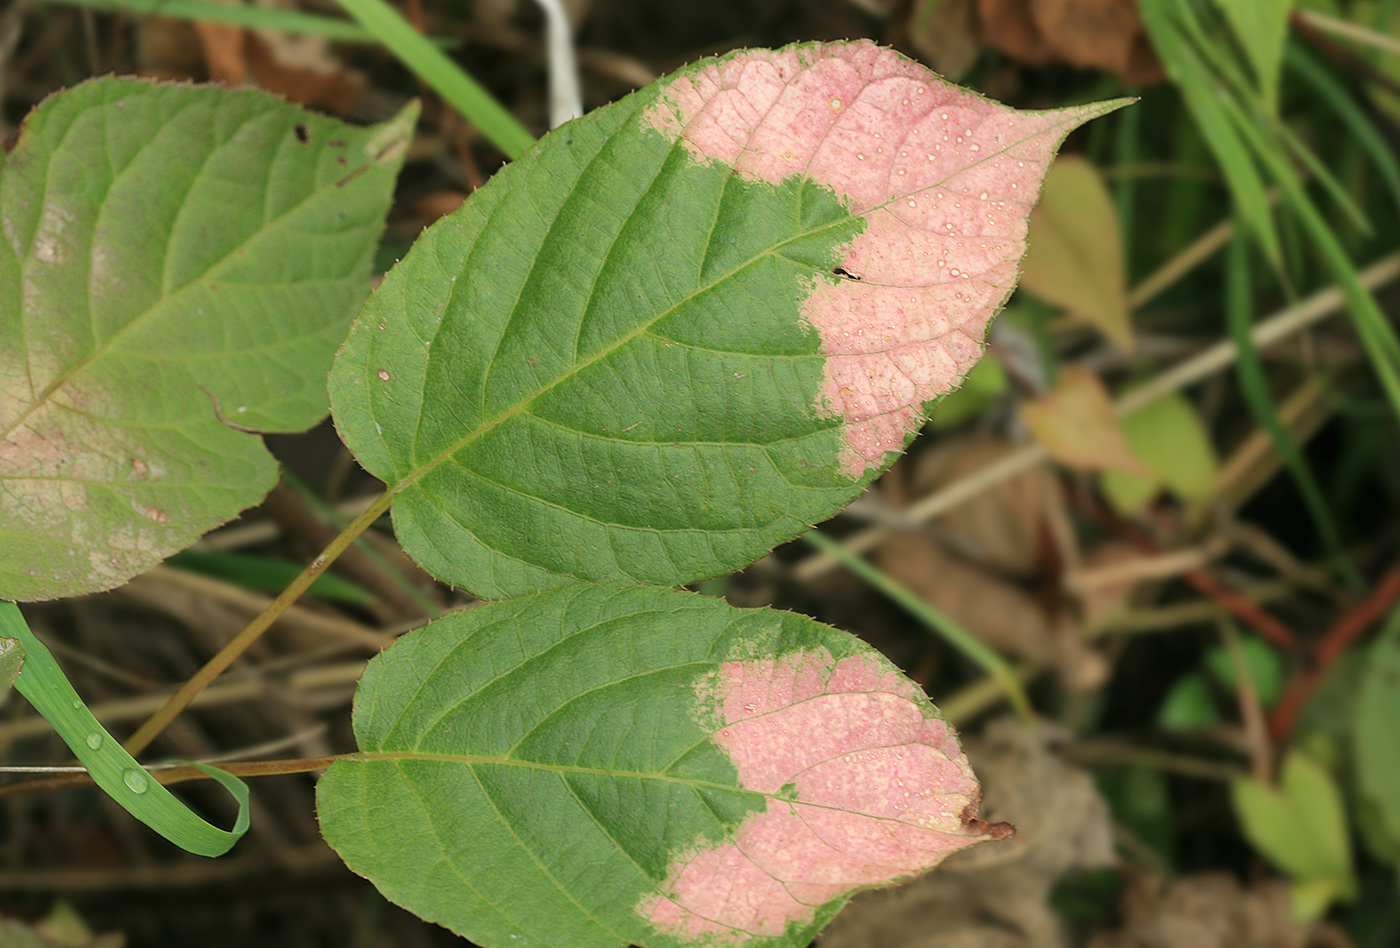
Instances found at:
x=607 y=764
x=685 y=327
x=169 y=254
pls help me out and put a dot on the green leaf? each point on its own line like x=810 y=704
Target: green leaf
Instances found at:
x=62 y=928
x=1075 y=258
x=1261 y=660
x=1375 y=717
x=1300 y=826
x=170 y=254
x=682 y=329
x=1168 y=436
x=1189 y=705
x=604 y=765
x=1141 y=802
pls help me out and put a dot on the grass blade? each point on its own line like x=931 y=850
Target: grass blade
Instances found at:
x=433 y=66
x=1254 y=385
x=1362 y=130
x=972 y=648
x=112 y=768
x=1201 y=89
x=235 y=14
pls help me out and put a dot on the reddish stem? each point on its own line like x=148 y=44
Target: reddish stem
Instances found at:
x=1207 y=585
x=1343 y=632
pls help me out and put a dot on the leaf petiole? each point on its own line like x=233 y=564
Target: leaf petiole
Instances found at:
x=254 y=630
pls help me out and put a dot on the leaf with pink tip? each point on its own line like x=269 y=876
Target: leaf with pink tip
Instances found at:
x=681 y=329
x=605 y=765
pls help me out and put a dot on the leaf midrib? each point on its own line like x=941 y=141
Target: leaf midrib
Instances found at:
x=689 y=782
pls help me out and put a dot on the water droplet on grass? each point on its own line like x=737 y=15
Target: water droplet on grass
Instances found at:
x=136 y=780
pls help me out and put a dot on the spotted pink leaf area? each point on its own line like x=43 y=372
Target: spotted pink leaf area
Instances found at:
x=945 y=180
x=866 y=785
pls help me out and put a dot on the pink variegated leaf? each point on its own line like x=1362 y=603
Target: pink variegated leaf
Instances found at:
x=606 y=765
x=680 y=330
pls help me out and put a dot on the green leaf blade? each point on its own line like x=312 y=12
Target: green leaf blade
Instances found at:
x=668 y=337
x=713 y=773
x=1374 y=716
x=43 y=684
x=172 y=254
x=1261 y=28
x=1301 y=826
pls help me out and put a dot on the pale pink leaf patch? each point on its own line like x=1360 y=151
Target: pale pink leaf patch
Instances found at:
x=866 y=784
x=945 y=180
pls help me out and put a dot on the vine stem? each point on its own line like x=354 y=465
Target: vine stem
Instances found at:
x=179 y=773
x=253 y=630
x=1339 y=637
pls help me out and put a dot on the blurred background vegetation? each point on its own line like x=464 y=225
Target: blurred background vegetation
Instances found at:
x=1165 y=505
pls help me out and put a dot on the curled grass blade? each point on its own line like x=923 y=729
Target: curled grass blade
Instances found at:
x=112 y=768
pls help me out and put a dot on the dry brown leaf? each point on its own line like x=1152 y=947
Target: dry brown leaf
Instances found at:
x=1211 y=910
x=438 y=204
x=999 y=613
x=1105 y=600
x=947 y=38
x=168 y=49
x=1007 y=25
x=1005 y=531
x=223 y=52
x=1101 y=34
x=304 y=70
x=1002 y=527
x=1076 y=424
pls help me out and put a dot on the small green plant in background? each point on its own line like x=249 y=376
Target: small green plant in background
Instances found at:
x=666 y=338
